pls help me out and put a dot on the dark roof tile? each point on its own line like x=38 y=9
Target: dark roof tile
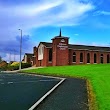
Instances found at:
x=47 y=44
x=29 y=54
x=86 y=47
x=80 y=47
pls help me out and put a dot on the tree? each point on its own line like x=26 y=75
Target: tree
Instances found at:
x=0 y=58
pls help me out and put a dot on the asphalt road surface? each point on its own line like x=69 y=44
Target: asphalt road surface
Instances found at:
x=70 y=95
x=21 y=91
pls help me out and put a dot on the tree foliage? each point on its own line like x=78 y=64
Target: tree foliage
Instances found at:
x=0 y=59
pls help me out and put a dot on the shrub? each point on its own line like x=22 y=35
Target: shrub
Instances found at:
x=25 y=65
x=4 y=68
x=14 y=66
x=15 y=63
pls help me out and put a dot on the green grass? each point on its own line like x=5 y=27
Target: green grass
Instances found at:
x=97 y=74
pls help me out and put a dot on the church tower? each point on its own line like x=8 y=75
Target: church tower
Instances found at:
x=60 y=50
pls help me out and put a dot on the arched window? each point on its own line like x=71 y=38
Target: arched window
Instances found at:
x=88 y=58
x=81 y=57
x=74 y=57
x=108 y=58
x=50 y=55
x=95 y=58
x=101 y=58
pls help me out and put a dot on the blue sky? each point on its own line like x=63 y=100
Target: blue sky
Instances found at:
x=83 y=21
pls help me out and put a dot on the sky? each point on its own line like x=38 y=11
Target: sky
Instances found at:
x=85 y=22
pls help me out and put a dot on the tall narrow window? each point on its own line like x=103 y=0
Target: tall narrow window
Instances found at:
x=74 y=57
x=101 y=58
x=81 y=57
x=50 y=55
x=108 y=58
x=95 y=58
x=40 y=62
x=88 y=58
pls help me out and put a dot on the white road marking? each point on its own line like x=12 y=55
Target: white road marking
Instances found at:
x=10 y=82
x=48 y=80
x=48 y=93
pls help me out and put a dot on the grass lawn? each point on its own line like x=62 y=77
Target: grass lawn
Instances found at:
x=97 y=74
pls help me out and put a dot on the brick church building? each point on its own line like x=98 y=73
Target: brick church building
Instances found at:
x=60 y=52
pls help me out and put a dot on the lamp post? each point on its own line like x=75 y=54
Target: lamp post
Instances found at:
x=20 y=48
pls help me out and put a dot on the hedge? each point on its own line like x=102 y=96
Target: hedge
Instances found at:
x=15 y=67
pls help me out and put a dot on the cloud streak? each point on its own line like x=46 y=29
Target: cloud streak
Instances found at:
x=36 y=14
x=28 y=15
x=101 y=13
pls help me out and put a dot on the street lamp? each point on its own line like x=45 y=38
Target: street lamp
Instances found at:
x=20 y=48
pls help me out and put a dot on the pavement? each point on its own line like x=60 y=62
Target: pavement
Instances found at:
x=70 y=95
x=14 y=71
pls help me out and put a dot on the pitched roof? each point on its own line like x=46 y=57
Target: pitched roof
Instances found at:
x=47 y=44
x=29 y=54
x=86 y=47
x=80 y=47
x=60 y=37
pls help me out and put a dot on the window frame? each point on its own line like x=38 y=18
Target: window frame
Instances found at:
x=74 y=57
x=95 y=58
x=108 y=58
x=101 y=58
x=88 y=58
x=81 y=57
x=50 y=55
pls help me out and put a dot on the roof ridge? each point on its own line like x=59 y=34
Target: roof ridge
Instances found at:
x=45 y=42
x=88 y=45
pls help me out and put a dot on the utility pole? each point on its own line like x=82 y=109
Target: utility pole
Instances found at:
x=10 y=57
x=0 y=58
x=20 y=48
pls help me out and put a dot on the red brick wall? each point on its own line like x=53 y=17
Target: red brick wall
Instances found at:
x=54 y=54
x=85 y=56
x=61 y=55
x=65 y=57
x=45 y=60
x=28 y=60
x=70 y=56
x=48 y=63
x=37 y=62
x=34 y=58
x=60 y=51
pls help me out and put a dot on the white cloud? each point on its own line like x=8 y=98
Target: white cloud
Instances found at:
x=100 y=44
x=100 y=25
x=45 y=13
x=35 y=15
x=30 y=9
x=76 y=34
x=101 y=13
x=11 y=57
x=105 y=12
